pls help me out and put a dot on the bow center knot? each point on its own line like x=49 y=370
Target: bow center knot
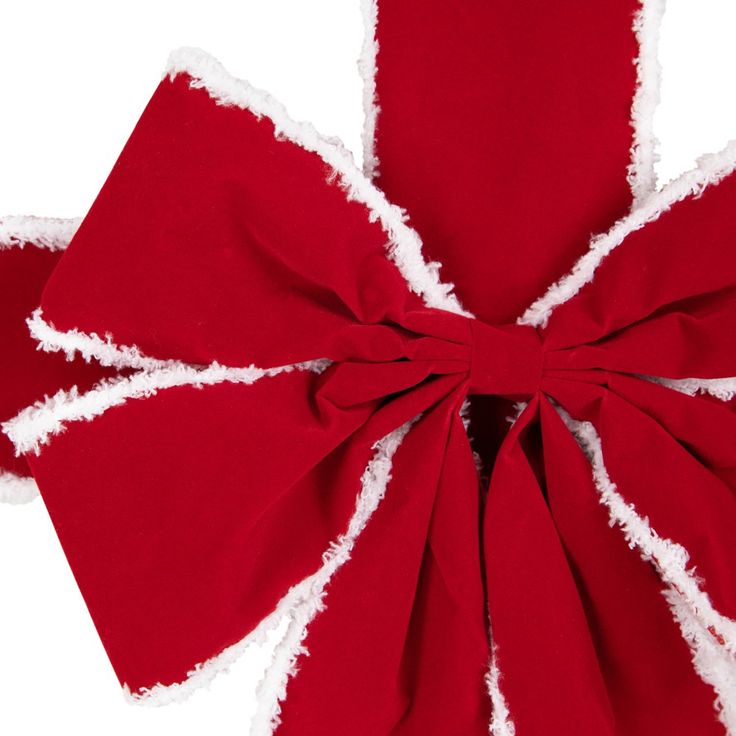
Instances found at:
x=506 y=360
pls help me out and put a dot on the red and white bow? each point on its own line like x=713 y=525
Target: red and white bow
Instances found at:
x=288 y=384
x=295 y=379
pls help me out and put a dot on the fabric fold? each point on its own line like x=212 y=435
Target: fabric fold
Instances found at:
x=543 y=645
x=645 y=663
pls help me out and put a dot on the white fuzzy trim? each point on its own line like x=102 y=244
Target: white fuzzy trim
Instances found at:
x=405 y=245
x=642 y=175
x=367 y=68
x=501 y=723
x=299 y=606
x=90 y=346
x=16 y=489
x=711 y=169
x=713 y=655
x=670 y=558
x=202 y=675
x=36 y=424
x=721 y=388
x=53 y=233
x=714 y=665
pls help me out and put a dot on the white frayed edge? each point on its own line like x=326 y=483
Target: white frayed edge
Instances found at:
x=52 y=233
x=16 y=489
x=202 y=675
x=671 y=561
x=299 y=606
x=405 y=245
x=35 y=425
x=711 y=169
x=90 y=346
x=720 y=388
x=670 y=558
x=501 y=723
x=642 y=176
x=714 y=665
x=367 y=69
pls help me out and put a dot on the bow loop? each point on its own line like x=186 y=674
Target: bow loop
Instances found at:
x=659 y=300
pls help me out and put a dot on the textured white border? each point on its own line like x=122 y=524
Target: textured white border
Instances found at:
x=712 y=663
x=721 y=388
x=367 y=68
x=90 y=346
x=52 y=233
x=642 y=176
x=710 y=170
x=16 y=489
x=35 y=425
x=501 y=723
x=405 y=245
x=202 y=675
x=670 y=558
x=300 y=605
x=711 y=635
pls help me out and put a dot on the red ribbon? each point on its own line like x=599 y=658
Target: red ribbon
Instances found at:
x=188 y=512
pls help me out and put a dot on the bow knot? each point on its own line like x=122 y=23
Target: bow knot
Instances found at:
x=506 y=360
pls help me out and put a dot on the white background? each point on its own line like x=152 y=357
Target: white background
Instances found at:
x=74 y=78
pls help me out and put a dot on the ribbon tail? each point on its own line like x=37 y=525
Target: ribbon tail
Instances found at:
x=645 y=663
x=549 y=671
x=680 y=517
x=402 y=646
x=681 y=498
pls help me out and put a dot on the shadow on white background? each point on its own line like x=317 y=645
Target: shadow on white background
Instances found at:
x=75 y=77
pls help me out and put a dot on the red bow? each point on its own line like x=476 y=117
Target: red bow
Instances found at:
x=229 y=237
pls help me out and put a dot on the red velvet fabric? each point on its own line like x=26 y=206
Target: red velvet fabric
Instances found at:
x=504 y=130
x=27 y=374
x=187 y=514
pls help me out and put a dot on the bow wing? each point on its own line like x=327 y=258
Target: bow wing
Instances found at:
x=230 y=473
